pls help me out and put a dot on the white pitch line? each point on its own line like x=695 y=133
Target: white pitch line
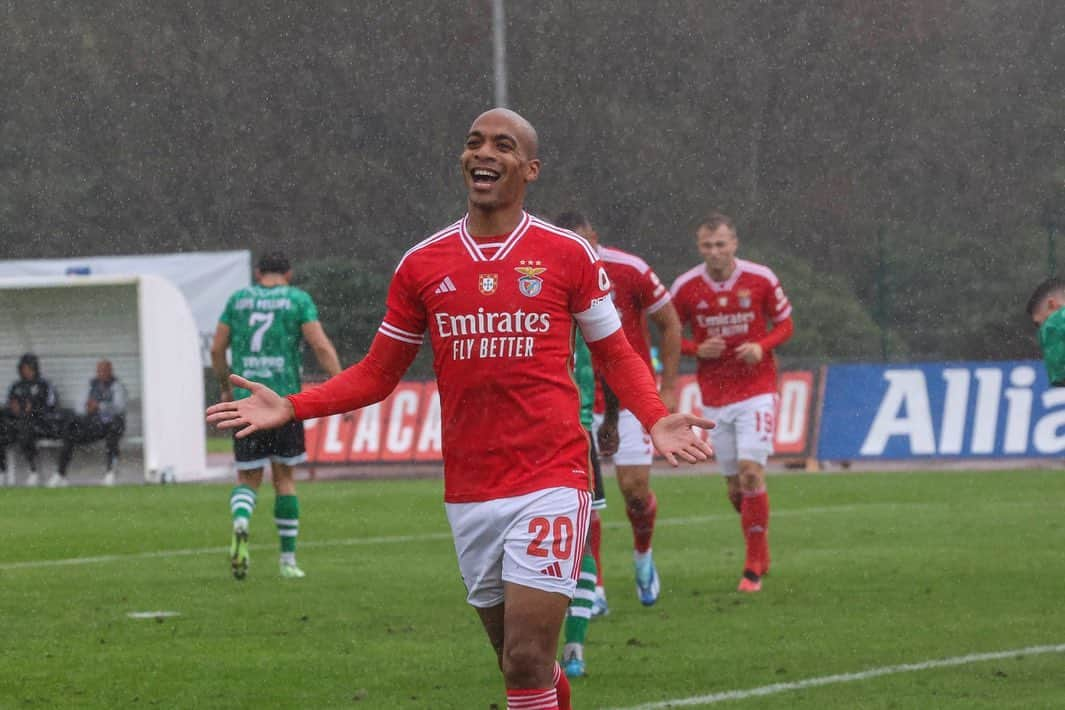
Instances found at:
x=715 y=698
x=152 y=614
x=392 y=539
x=72 y=561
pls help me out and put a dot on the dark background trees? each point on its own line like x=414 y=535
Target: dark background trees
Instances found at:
x=331 y=130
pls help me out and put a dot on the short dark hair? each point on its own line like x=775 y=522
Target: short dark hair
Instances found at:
x=1044 y=290
x=572 y=220
x=714 y=220
x=274 y=263
x=31 y=360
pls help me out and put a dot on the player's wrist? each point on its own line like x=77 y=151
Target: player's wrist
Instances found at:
x=656 y=420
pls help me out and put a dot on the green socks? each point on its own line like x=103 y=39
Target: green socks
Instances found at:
x=287 y=519
x=580 y=609
x=241 y=505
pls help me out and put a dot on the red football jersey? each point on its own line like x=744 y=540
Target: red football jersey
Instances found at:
x=636 y=292
x=501 y=316
x=739 y=310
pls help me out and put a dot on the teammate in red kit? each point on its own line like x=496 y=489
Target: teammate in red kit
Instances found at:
x=500 y=293
x=639 y=296
x=729 y=304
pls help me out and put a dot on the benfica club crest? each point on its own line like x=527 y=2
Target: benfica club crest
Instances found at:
x=744 y=297
x=530 y=284
x=487 y=284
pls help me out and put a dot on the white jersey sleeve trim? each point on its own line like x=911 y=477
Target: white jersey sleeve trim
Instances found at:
x=780 y=317
x=759 y=270
x=617 y=256
x=442 y=234
x=687 y=276
x=399 y=334
x=659 y=304
x=599 y=321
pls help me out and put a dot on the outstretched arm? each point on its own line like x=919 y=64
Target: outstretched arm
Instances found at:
x=370 y=380
x=630 y=379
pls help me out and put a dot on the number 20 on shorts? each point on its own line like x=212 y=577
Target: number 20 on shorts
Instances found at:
x=560 y=532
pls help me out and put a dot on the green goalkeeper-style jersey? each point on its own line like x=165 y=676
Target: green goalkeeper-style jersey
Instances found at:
x=265 y=326
x=1052 y=343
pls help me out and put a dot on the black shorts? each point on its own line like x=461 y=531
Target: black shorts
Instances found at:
x=284 y=444
x=598 y=493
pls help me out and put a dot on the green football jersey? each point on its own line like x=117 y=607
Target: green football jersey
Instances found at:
x=585 y=377
x=1052 y=343
x=265 y=333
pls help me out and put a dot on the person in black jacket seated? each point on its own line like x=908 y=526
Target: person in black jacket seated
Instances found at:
x=31 y=413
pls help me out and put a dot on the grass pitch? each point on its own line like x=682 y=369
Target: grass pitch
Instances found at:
x=870 y=571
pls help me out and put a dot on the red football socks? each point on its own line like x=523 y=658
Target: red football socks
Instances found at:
x=532 y=699
x=595 y=539
x=642 y=516
x=562 y=688
x=754 y=519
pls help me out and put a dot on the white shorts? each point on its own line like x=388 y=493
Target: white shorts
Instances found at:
x=634 y=443
x=744 y=432
x=535 y=540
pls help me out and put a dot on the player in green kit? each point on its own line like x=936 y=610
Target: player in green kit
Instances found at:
x=575 y=631
x=263 y=326
x=1046 y=308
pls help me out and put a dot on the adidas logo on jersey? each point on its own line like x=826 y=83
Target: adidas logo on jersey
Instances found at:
x=446 y=286
x=703 y=304
x=552 y=570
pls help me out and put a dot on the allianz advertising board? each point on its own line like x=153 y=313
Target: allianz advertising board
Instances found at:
x=963 y=410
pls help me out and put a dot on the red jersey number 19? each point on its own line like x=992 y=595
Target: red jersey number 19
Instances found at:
x=763 y=422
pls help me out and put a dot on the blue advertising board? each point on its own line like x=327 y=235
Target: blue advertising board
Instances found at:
x=958 y=410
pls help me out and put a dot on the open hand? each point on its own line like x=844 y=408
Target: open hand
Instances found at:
x=264 y=409
x=673 y=437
